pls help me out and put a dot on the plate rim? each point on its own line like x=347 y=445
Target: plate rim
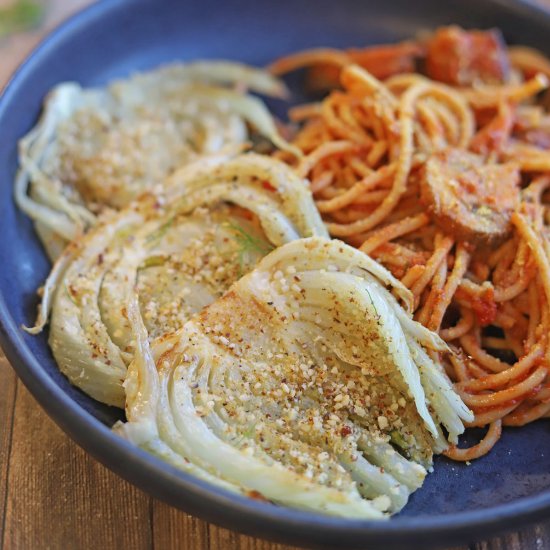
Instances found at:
x=212 y=503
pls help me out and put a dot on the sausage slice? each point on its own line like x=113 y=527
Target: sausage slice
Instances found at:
x=467 y=198
x=462 y=58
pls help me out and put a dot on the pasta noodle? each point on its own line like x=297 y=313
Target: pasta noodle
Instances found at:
x=444 y=181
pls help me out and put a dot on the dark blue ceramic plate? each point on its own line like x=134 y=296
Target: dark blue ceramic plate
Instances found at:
x=112 y=38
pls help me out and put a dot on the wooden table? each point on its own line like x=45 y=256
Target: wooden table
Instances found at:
x=54 y=496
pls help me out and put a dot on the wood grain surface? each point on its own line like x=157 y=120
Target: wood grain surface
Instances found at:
x=54 y=496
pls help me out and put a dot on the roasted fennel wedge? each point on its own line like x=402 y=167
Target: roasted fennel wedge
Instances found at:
x=101 y=147
x=307 y=384
x=180 y=249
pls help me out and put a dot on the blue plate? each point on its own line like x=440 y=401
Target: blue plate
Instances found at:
x=457 y=503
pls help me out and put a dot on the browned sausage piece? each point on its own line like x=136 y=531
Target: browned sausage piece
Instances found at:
x=461 y=58
x=467 y=198
x=381 y=61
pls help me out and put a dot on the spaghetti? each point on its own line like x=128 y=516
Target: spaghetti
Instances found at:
x=444 y=178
